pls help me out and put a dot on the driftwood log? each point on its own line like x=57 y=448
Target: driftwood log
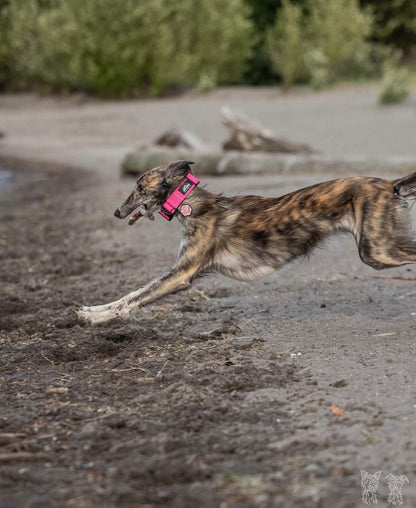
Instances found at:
x=147 y=156
x=180 y=138
x=254 y=163
x=256 y=150
x=249 y=136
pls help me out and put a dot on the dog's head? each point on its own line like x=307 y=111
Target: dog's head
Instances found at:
x=152 y=189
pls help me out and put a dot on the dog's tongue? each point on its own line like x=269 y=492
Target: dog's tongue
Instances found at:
x=134 y=218
x=142 y=212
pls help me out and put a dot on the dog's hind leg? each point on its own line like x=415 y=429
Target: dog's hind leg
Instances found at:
x=383 y=234
x=386 y=256
x=406 y=187
x=178 y=277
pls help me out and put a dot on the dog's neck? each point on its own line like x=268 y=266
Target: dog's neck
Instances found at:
x=197 y=200
x=175 y=201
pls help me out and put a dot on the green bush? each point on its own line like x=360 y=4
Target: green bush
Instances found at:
x=286 y=45
x=324 y=42
x=319 y=68
x=146 y=45
x=395 y=81
x=395 y=24
x=207 y=81
x=142 y=47
x=4 y=52
x=338 y=32
x=78 y=45
x=211 y=38
x=261 y=70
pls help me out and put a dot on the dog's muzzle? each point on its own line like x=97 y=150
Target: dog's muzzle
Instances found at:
x=141 y=212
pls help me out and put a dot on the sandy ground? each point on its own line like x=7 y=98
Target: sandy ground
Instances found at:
x=219 y=396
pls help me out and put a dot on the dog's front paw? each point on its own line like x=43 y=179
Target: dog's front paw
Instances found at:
x=98 y=308
x=93 y=317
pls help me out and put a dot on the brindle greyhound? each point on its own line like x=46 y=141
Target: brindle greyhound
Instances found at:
x=247 y=237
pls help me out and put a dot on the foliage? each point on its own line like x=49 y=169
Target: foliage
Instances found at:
x=261 y=70
x=148 y=46
x=100 y=48
x=395 y=23
x=209 y=37
x=207 y=81
x=325 y=41
x=286 y=46
x=4 y=54
x=338 y=31
x=77 y=45
x=395 y=82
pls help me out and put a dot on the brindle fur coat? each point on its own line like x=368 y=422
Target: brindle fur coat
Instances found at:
x=247 y=237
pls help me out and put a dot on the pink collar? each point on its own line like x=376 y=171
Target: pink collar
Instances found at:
x=178 y=196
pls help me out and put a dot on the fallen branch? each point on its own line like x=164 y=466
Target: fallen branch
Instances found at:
x=162 y=369
x=11 y=457
x=7 y=438
x=250 y=136
x=11 y=435
x=175 y=137
x=393 y=277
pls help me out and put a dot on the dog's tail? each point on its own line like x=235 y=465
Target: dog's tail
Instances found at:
x=406 y=186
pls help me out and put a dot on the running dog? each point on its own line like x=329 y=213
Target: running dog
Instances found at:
x=247 y=237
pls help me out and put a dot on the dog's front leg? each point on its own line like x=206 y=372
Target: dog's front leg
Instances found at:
x=179 y=276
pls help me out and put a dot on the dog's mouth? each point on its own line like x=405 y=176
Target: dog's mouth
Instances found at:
x=135 y=217
x=141 y=212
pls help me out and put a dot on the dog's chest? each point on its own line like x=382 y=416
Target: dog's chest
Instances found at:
x=242 y=266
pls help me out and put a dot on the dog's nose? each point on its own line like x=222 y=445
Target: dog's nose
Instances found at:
x=117 y=213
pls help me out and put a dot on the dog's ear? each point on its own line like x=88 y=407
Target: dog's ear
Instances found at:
x=178 y=168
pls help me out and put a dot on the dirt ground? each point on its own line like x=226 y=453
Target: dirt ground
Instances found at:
x=219 y=396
